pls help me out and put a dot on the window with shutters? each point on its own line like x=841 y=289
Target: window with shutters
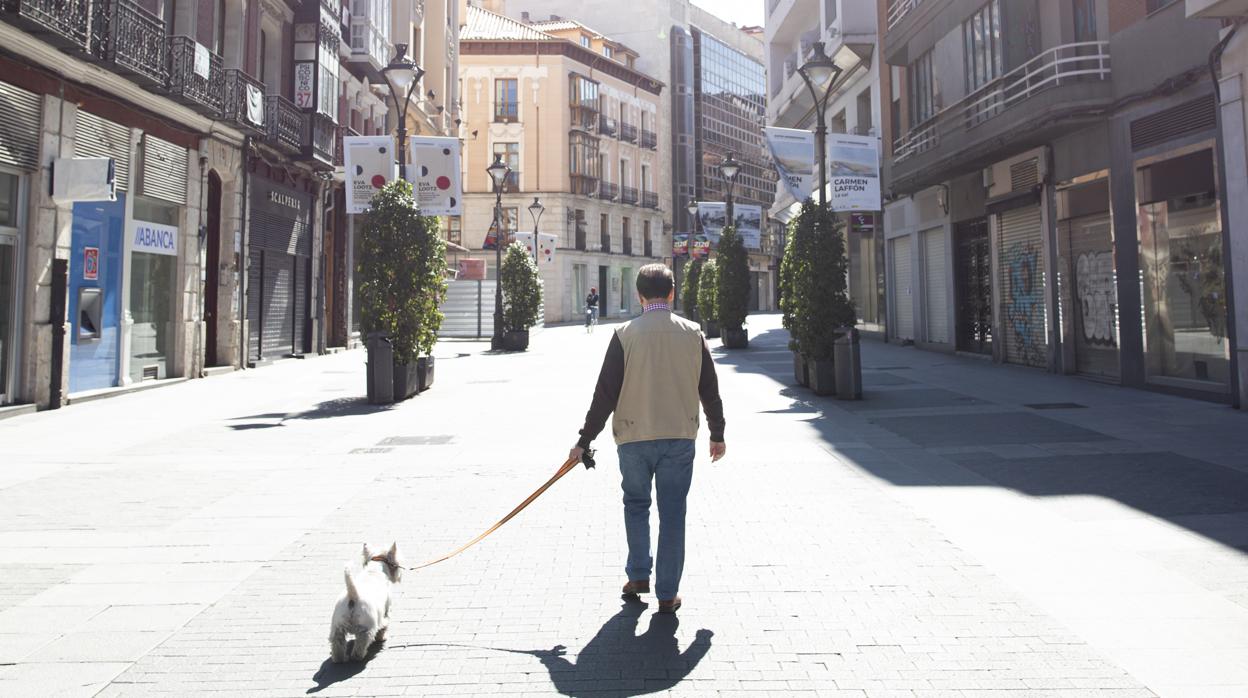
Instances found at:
x=923 y=91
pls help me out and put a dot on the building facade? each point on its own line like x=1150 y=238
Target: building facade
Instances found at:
x=1057 y=200
x=579 y=128
x=848 y=30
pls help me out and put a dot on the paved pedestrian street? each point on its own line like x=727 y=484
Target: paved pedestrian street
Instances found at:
x=967 y=530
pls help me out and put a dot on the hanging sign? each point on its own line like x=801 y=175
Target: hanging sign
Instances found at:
x=471 y=270
x=369 y=165
x=90 y=263
x=547 y=241
x=680 y=244
x=203 y=63
x=713 y=215
x=305 y=83
x=793 y=151
x=435 y=177
x=153 y=238
x=853 y=172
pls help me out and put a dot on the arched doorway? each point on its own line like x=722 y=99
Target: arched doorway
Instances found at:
x=212 y=278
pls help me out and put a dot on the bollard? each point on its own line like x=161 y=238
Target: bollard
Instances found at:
x=848 y=360
x=380 y=373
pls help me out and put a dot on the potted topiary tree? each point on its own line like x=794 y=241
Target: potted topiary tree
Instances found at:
x=827 y=312
x=522 y=296
x=708 y=298
x=689 y=293
x=733 y=299
x=793 y=286
x=401 y=286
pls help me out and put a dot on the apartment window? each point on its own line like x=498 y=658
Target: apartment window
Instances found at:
x=625 y=180
x=985 y=60
x=608 y=52
x=511 y=156
x=585 y=41
x=645 y=178
x=218 y=28
x=923 y=92
x=583 y=163
x=264 y=54
x=1085 y=20
x=583 y=97
x=506 y=100
x=455 y=230
x=865 y=122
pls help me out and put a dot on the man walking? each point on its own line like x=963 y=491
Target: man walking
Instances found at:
x=657 y=369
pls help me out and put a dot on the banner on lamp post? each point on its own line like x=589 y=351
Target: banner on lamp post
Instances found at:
x=369 y=165
x=435 y=176
x=713 y=217
x=546 y=255
x=794 y=153
x=853 y=172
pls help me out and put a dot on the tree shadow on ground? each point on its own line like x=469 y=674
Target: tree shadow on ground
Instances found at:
x=330 y=673
x=328 y=409
x=618 y=661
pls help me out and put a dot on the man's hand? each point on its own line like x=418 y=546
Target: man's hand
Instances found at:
x=576 y=453
x=718 y=449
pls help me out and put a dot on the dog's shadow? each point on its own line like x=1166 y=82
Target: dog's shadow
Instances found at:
x=331 y=673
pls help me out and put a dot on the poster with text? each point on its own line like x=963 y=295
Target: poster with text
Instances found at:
x=546 y=254
x=435 y=175
x=369 y=165
x=793 y=151
x=712 y=217
x=854 y=172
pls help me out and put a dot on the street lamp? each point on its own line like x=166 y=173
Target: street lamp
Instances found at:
x=820 y=73
x=498 y=172
x=729 y=169
x=536 y=209
x=402 y=75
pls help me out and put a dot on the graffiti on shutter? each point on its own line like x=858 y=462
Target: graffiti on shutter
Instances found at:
x=1022 y=280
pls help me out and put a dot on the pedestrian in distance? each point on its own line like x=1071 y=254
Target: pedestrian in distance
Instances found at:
x=591 y=309
x=657 y=370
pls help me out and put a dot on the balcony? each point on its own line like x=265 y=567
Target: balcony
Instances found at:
x=628 y=245
x=580 y=240
x=608 y=191
x=628 y=132
x=131 y=41
x=244 y=101
x=339 y=151
x=1062 y=88
x=605 y=239
x=284 y=124
x=649 y=139
x=584 y=185
x=321 y=139
x=65 y=23
x=196 y=77
x=369 y=45
x=606 y=125
x=650 y=199
x=628 y=195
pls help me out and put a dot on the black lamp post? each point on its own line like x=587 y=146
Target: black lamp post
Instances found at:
x=820 y=73
x=692 y=208
x=498 y=172
x=536 y=209
x=402 y=75
x=729 y=169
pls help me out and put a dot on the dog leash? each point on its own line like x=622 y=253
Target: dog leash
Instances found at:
x=587 y=459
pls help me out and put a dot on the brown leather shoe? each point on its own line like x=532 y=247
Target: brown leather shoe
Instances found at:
x=635 y=588
x=669 y=606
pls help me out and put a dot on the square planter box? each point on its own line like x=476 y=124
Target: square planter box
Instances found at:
x=821 y=376
x=799 y=370
x=710 y=329
x=516 y=341
x=406 y=381
x=736 y=339
x=424 y=372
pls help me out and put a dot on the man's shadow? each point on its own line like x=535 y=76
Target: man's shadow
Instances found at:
x=618 y=661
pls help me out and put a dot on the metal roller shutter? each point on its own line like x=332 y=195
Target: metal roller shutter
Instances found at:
x=278 y=298
x=164 y=171
x=97 y=137
x=902 y=303
x=1022 y=280
x=300 y=302
x=1095 y=290
x=20 y=116
x=255 y=289
x=935 y=299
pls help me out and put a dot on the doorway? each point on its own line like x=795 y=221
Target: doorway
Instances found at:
x=603 y=305
x=973 y=286
x=212 y=271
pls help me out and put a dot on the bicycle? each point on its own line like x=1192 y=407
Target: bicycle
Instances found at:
x=591 y=318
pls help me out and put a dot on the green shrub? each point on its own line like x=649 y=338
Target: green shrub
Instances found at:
x=401 y=265
x=708 y=292
x=522 y=289
x=733 y=302
x=689 y=292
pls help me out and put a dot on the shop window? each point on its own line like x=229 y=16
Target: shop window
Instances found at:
x=1183 y=270
x=153 y=292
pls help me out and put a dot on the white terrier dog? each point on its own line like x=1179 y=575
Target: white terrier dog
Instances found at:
x=364 y=609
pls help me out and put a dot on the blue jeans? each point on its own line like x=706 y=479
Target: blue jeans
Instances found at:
x=669 y=463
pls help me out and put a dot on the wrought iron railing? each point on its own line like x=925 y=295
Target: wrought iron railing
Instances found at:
x=580 y=240
x=1065 y=64
x=606 y=125
x=322 y=139
x=628 y=132
x=628 y=195
x=650 y=199
x=284 y=124
x=605 y=240
x=131 y=39
x=244 y=101
x=607 y=191
x=196 y=77
x=63 y=22
x=897 y=9
x=342 y=132
x=628 y=245
x=649 y=139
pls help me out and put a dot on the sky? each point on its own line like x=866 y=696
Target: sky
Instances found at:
x=743 y=12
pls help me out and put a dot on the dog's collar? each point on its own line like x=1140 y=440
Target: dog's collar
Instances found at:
x=384 y=559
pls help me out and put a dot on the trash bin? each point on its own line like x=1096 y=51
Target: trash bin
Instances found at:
x=848 y=361
x=380 y=371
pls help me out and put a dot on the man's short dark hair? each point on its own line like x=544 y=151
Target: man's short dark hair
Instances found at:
x=655 y=281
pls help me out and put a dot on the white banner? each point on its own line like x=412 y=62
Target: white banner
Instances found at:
x=435 y=177
x=793 y=151
x=153 y=238
x=547 y=240
x=203 y=64
x=712 y=217
x=255 y=106
x=369 y=165
x=854 y=172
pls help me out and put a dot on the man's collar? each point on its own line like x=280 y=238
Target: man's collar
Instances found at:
x=656 y=305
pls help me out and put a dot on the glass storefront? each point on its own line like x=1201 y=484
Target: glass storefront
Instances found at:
x=153 y=265
x=865 y=249
x=1182 y=270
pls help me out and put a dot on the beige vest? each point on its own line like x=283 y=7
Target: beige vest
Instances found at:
x=662 y=366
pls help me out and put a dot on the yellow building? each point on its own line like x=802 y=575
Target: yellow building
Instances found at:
x=579 y=126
